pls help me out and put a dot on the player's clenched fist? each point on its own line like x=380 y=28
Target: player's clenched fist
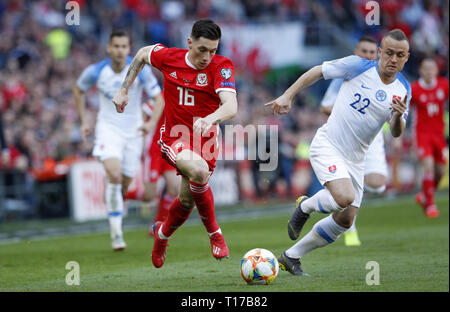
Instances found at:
x=201 y=126
x=399 y=106
x=120 y=100
x=85 y=131
x=281 y=105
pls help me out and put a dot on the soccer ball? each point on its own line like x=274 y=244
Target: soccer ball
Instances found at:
x=259 y=266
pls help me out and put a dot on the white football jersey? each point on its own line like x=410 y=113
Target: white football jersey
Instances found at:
x=363 y=104
x=108 y=83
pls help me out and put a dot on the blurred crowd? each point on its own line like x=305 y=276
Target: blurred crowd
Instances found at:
x=41 y=57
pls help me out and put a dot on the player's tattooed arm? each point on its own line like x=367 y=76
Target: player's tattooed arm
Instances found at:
x=140 y=59
x=134 y=69
x=282 y=105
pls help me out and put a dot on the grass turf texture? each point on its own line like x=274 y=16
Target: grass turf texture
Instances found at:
x=412 y=252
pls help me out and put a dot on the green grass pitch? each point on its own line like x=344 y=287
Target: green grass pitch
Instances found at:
x=411 y=250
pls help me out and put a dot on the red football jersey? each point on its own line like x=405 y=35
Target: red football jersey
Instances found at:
x=429 y=104
x=190 y=93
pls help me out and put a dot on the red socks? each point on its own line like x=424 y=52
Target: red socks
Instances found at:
x=204 y=200
x=164 y=205
x=175 y=218
x=428 y=189
x=178 y=214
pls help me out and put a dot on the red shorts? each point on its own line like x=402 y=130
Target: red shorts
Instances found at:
x=432 y=145
x=207 y=149
x=155 y=166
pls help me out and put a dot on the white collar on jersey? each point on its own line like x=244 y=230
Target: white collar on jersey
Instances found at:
x=189 y=62
x=426 y=86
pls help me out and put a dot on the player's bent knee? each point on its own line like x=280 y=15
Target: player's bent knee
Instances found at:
x=344 y=200
x=115 y=177
x=200 y=175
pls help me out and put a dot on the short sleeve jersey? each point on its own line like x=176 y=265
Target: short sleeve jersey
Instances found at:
x=428 y=103
x=363 y=104
x=190 y=93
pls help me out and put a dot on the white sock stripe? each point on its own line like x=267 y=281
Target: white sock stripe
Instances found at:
x=198 y=189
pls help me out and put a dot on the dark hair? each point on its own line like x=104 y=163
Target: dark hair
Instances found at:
x=396 y=34
x=206 y=28
x=119 y=33
x=367 y=39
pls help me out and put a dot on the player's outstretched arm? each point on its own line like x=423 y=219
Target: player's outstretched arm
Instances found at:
x=397 y=123
x=282 y=105
x=140 y=59
x=226 y=111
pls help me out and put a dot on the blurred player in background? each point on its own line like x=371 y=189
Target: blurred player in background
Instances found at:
x=155 y=166
x=429 y=95
x=4 y=157
x=372 y=93
x=118 y=137
x=375 y=166
x=199 y=93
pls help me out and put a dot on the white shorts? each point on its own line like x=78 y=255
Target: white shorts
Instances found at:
x=375 y=161
x=112 y=143
x=329 y=164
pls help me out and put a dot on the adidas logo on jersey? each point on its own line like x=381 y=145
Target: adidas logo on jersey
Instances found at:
x=174 y=75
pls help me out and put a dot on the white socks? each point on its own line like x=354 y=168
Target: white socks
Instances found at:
x=323 y=233
x=322 y=201
x=114 y=203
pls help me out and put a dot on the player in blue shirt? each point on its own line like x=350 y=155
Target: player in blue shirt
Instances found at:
x=118 y=137
x=375 y=166
x=372 y=92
